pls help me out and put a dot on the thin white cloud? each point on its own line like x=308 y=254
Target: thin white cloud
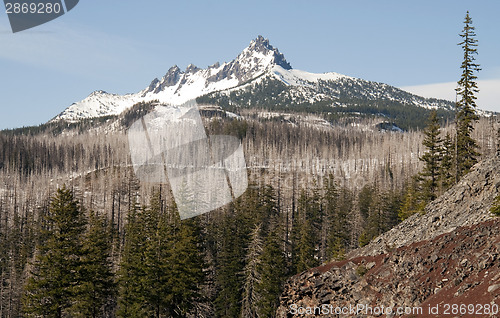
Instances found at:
x=488 y=97
x=68 y=49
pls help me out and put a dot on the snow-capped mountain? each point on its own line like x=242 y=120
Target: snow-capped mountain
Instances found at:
x=260 y=64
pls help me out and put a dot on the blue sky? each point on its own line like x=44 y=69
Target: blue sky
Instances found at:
x=120 y=46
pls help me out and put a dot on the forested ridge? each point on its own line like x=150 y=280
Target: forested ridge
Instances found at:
x=315 y=194
x=342 y=98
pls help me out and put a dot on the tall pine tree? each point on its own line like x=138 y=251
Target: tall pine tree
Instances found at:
x=130 y=296
x=466 y=147
x=252 y=275
x=273 y=270
x=336 y=209
x=232 y=238
x=431 y=158
x=305 y=232
x=57 y=274
x=413 y=201
x=162 y=267
x=186 y=266
x=97 y=287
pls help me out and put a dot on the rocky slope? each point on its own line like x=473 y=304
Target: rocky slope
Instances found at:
x=445 y=263
x=466 y=203
x=457 y=268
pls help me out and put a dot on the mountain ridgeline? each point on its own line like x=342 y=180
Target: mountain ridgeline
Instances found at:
x=333 y=99
x=261 y=78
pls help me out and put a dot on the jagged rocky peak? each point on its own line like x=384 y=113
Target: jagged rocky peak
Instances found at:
x=191 y=68
x=170 y=79
x=258 y=57
x=262 y=46
x=153 y=85
x=98 y=93
x=215 y=65
x=172 y=76
x=254 y=60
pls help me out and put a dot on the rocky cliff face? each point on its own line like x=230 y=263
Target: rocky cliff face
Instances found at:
x=445 y=263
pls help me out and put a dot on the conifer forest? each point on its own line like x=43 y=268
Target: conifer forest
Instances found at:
x=82 y=236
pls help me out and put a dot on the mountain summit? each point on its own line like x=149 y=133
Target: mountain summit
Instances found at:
x=178 y=86
x=258 y=65
x=262 y=46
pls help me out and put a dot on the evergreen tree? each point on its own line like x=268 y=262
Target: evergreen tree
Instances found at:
x=56 y=274
x=306 y=253
x=374 y=222
x=162 y=267
x=158 y=234
x=232 y=238
x=305 y=232
x=186 y=266
x=131 y=294
x=466 y=147
x=365 y=199
x=447 y=177
x=252 y=275
x=383 y=215
x=97 y=286
x=143 y=270
x=273 y=270
x=336 y=208
x=268 y=208
x=413 y=201
x=432 y=158
x=392 y=202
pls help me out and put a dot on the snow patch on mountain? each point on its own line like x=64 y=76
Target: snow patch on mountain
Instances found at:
x=301 y=78
x=99 y=104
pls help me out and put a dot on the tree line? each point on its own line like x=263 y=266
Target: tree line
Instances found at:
x=71 y=261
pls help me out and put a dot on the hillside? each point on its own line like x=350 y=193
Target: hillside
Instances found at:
x=465 y=204
x=456 y=268
x=447 y=256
